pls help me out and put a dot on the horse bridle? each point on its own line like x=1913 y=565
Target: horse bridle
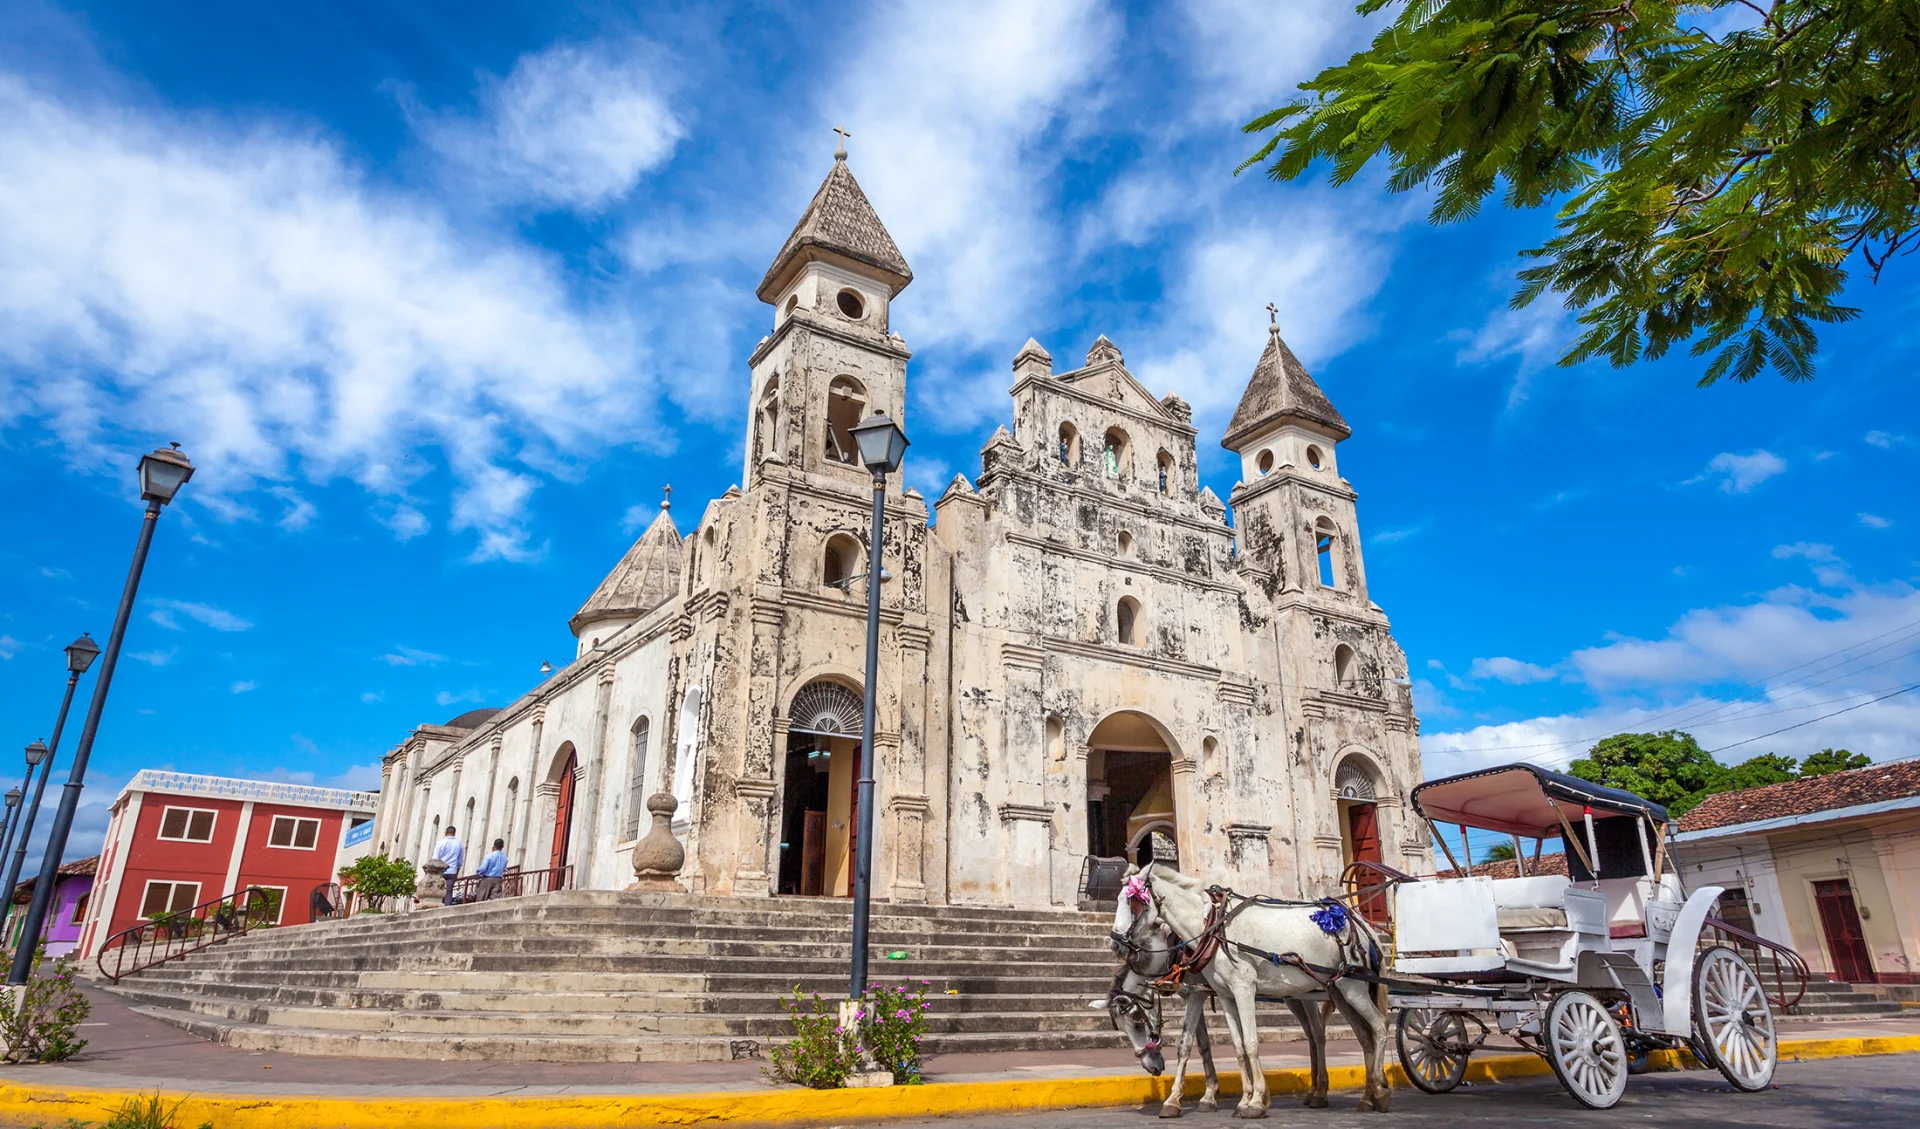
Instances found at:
x=1144 y=1009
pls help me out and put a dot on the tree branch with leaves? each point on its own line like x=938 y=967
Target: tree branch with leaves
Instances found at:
x=1711 y=189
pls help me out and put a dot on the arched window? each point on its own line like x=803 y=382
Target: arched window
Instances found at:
x=1353 y=780
x=637 y=777
x=1210 y=756
x=471 y=825
x=1124 y=543
x=1126 y=621
x=1069 y=444
x=513 y=805
x=1324 y=536
x=1265 y=461
x=1166 y=472
x=1313 y=457
x=846 y=407
x=767 y=423
x=1114 y=454
x=1342 y=666
x=840 y=561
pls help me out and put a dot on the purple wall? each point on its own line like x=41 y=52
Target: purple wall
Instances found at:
x=62 y=932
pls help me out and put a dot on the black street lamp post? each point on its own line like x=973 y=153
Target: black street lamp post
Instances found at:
x=14 y=796
x=162 y=474
x=80 y=655
x=882 y=445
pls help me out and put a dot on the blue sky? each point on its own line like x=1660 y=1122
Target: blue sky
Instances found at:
x=439 y=296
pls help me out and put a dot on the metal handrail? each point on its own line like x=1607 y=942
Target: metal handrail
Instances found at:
x=174 y=935
x=1785 y=960
x=513 y=884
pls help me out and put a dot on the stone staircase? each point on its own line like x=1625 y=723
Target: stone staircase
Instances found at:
x=1827 y=999
x=602 y=976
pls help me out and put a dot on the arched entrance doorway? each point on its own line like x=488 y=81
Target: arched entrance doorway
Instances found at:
x=1356 y=795
x=563 y=809
x=1130 y=804
x=818 y=810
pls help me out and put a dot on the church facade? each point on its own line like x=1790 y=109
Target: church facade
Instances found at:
x=1081 y=655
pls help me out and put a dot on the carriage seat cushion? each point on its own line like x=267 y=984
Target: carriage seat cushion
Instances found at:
x=1532 y=917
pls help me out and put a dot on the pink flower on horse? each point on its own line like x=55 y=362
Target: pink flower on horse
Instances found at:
x=1136 y=889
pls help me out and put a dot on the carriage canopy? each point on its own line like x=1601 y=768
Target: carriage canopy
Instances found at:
x=1520 y=799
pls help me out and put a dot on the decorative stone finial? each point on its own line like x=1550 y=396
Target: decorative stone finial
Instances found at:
x=840 y=150
x=1273 y=319
x=666 y=498
x=432 y=890
x=658 y=857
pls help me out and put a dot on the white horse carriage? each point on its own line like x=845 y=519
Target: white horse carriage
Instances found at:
x=1591 y=969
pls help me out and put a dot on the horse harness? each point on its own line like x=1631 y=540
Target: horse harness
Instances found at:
x=1194 y=954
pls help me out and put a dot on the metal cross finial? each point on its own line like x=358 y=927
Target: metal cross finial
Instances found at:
x=666 y=499
x=840 y=150
x=1273 y=315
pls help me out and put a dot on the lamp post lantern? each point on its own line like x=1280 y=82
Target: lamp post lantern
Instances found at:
x=882 y=445
x=80 y=655
x=162 y=474
x=14 y=796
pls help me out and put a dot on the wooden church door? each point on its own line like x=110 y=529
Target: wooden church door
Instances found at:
x=563 y=817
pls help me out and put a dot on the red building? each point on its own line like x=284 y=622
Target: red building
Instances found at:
x=177 y=841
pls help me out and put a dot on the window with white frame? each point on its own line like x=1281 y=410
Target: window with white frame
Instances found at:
x=294 y=832
x=187 y=825
x=279 y=906
x=168 y=897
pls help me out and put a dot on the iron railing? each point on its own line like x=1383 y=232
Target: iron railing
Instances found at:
x=1761 y=953
x=173 y=935
x=513 y=884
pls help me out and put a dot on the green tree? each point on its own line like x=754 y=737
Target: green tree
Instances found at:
x=1499 y=852
x=1712 y=188
x=1669 y=768
x=1767 y=768
x=1832 y=760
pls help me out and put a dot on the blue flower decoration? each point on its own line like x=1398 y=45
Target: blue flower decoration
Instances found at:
x=1331 y=918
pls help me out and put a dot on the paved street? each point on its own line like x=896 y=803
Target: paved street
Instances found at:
x=1860 y=1093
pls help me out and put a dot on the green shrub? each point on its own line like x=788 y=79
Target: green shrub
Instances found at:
x=148 y=1113
x=378 y=878
x=821 y=1053
x=897 y=1018
x=263 y=910
x=44 y=1028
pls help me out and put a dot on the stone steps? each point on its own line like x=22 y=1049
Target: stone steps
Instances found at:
x=609 y=977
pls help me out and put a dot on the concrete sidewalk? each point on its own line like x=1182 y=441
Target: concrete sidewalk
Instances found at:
x=131 y=1053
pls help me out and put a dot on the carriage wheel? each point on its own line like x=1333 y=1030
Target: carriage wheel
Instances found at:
x=1585 y=1049
x=1733 y=1020
x=1433 y=1048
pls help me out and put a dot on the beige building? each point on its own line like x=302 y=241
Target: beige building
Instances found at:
x=1829 y=865
x=1080 y=653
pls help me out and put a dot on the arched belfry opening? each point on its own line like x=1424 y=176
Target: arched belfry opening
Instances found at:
x=1130 y=801
x=817 y=811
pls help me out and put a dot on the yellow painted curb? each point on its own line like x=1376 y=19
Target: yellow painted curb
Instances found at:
x=52 y=1105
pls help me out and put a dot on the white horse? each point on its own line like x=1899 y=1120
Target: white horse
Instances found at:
x=1250 y=949
x=1134 y=1005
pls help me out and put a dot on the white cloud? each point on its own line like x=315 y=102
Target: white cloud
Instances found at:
x=951 y=107
x=405 y=521
x=1885 y=440
x=155 y=658
x=9 y=647
x=1536 y=335
x=1247 y=54
x=1875 y=521
x=574 y=126
x=299 y=512
x=411 y=656
x=55 y=573
x=245 y=291
x=371 y=697
x=219 y=619
x=1394 y=536
x=1739 y=474
x=1511 y=671
x=448 y=697
x=243 y=687
x=1808 y=550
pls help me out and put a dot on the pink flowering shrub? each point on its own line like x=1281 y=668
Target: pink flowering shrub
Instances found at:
x=899 y=1019
x=820 y=1055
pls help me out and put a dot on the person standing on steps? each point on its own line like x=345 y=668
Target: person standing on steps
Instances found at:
x=492 y=869
x=452 y=852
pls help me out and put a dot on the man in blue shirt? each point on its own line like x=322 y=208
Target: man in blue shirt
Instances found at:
x=454 y=853
x=492 y=868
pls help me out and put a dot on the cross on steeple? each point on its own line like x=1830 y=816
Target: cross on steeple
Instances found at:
x=666 y=497
x=1273 y=315
x=840 y=150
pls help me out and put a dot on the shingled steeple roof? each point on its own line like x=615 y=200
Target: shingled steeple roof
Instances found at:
x=648 y=576
x=1282 y=392
x=841 y=222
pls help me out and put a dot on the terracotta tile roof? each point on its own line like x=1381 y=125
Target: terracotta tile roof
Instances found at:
x=1555 y=863
x=82 y=867
x=1805 y=797
x=841 y=220
x=1281 y=390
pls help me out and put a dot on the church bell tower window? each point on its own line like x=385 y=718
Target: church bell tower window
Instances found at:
x=850 y=304
x=846 y=406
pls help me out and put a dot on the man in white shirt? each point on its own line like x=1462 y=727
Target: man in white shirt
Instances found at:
x=451 y=852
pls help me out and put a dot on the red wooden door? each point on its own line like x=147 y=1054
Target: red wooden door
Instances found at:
x=1846 y=941
x=1363 y=833
x=563 y=816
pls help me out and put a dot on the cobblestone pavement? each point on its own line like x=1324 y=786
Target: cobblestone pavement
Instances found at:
x=1857 y=1093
